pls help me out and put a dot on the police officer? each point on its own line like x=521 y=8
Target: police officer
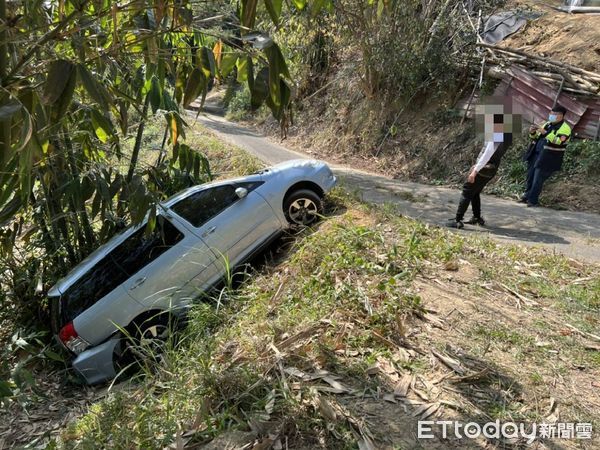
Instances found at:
x=497 y=141
x=545 y=153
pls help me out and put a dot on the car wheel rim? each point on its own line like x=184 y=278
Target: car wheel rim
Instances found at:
x=154 y=336
x=303 y=211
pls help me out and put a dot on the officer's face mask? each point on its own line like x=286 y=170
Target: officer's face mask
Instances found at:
x=498 y=137
x=552 y=117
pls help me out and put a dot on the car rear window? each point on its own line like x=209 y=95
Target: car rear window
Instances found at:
x=132 y=255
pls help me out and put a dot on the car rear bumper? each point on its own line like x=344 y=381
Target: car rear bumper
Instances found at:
x=97 y=364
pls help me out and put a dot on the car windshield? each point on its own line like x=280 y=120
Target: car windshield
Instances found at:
x=129 y=257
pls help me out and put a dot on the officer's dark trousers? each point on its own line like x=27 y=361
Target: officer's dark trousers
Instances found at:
x=530 y=175
x=534 y=186
x=471 y=195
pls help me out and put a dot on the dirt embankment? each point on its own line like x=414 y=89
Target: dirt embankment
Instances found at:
x=569 y=38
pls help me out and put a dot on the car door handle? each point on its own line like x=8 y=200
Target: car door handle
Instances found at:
x=137 y=283
x=209 y=231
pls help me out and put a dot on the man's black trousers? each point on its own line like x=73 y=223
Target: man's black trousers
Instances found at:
x=471 y=194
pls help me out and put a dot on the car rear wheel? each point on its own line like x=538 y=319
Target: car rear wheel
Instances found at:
x=146 y=340
x=302 y=207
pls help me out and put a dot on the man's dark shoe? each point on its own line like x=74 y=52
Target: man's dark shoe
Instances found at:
x=476 y=221
x=532 y=205
x=453 y=223
x=522 y=200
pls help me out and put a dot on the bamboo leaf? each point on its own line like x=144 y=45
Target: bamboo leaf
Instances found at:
x=174 y=128
x=207 y=62
x=59 y=74
x=62 y=105
x=277 y=69
x=242 y=69
x=155 y=94
x=9 y=210
x=97 y=91
x=300 y=4
x=218 y=52
x=274 y=9
x=29 y=154
x=260 y=88
x=228 y=61
x=102 y=126
x=151 y=224
x=195 y=84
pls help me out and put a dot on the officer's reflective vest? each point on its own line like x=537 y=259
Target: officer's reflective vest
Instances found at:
x=553 y=139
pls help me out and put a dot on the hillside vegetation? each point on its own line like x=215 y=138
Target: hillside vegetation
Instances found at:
x=381 y=92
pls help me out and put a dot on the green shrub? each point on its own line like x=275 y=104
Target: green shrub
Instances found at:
x=238 y=107
x=583 y=158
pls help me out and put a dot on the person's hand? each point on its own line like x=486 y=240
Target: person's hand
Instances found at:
x=471 y=177
x=541 y=130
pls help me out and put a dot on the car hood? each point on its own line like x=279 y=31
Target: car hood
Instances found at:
x=303 y=164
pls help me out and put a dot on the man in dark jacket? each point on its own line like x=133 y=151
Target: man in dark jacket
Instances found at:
x=545 y=153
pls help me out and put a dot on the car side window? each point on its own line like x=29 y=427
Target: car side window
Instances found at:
x=133 y=254
x=200 y=207
x=141 y=249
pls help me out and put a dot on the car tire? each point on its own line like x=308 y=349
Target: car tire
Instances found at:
x=145 y=342
x=302 y=207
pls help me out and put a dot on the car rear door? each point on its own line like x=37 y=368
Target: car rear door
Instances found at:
x=169 y=260
x=229 y=225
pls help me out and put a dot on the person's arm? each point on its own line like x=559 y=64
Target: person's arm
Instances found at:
x=484 y=157
x=535 y=132
x=556 y=139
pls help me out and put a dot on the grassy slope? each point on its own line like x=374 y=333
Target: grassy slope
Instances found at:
x=309 y=350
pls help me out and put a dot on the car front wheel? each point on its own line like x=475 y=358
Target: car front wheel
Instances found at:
x=302 y=207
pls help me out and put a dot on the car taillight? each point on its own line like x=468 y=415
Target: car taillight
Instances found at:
x=68 y=336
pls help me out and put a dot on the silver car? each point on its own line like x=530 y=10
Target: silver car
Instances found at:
x=136 y=280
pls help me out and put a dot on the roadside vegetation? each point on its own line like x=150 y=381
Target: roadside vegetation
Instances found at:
x=33 y=372
x=88 y=91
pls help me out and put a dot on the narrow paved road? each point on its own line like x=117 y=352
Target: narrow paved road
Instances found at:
x=574 y=234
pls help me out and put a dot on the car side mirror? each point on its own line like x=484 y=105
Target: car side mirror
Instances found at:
x=241 y=192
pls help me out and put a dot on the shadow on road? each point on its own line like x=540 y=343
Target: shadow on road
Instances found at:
x=521 y=235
